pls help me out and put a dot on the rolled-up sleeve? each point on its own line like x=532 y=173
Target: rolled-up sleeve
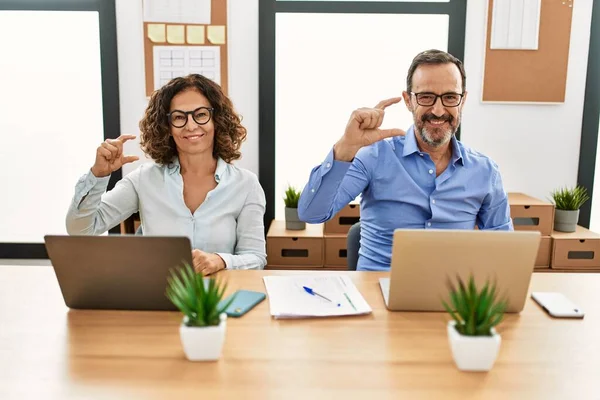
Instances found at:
x=94 y=211
x=331 y=186
x=495 y=210
x=250 y=249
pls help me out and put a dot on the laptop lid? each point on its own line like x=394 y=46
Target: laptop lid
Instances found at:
x=116 y=272
x=424 y=260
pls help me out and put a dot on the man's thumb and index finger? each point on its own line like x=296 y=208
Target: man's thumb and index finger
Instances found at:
x=386 y=133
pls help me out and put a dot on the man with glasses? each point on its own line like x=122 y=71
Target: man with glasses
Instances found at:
x=423 y=178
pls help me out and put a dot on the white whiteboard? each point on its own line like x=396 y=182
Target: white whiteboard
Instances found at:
x=50 y=117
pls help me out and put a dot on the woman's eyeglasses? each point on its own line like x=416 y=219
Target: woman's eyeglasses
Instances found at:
x=200 y=115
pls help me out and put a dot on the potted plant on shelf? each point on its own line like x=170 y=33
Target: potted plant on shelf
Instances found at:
x=471 y=332
x=202 y=330
x=292 y=222
x=567 y=202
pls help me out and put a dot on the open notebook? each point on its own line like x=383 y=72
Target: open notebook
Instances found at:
x=288 y=297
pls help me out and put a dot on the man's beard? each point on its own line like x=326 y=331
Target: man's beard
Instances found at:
x=436 y=137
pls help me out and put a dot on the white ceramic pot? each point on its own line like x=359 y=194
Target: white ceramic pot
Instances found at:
x=203 y=343
x=473 y=353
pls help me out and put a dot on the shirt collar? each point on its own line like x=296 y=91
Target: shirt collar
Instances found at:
x=410 y=142
x=411 y=146
x=221 y=168
x=175 y=167
x=456 y=152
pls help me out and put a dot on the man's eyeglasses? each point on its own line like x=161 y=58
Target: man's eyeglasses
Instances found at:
x=200 y=115
x=427 y=99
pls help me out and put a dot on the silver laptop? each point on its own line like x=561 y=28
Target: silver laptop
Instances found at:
x=424 y=260
x=116 y=272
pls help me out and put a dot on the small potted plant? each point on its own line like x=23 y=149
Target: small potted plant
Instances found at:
x=471 y=333
x=567 y=202
x=292 y=221
x=202 y=330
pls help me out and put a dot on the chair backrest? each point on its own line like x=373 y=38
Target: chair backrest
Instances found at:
x=353 y=245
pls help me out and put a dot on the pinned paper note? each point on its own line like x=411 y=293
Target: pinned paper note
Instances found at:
x=195 y=34
x=216 y=34
x=156 y=33
x=177 y=11
x=175 y=34
x=173 y=61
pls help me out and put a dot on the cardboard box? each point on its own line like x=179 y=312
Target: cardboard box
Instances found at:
x=576 y=250
x=295 y=248
x=544 y=253
x=531 y=214
x=343 y=220
x=336 y=251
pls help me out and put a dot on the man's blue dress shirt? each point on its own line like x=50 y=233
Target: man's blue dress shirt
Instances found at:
x=400 y=190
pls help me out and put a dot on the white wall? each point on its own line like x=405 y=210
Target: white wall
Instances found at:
x=513 y=135
x=595 y=217
x=535 y=146
x=243 y=73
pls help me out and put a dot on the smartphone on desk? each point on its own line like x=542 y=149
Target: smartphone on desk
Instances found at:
x=244 y=301
x=557 y=305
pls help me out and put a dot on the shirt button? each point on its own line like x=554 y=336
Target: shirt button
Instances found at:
x=429 y=224
x=431 y=171
x=421 y=154
x=312 y=190
x=328 y=165
x=433 y=201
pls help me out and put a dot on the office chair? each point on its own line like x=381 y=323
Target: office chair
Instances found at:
x=353 y=245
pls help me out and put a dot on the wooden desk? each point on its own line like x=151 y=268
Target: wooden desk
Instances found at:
x=49 y=352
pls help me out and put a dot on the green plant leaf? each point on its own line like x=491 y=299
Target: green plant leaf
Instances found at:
x=452 y=313
x=292 y=197
x=570 y=198
x=199 y=303
x=178 y=292
x=475 y=311
x=459 y=305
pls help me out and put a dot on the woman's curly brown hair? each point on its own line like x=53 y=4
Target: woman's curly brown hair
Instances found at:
x=156 y=139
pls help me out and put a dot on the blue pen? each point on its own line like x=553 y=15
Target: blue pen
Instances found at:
x=310 y=291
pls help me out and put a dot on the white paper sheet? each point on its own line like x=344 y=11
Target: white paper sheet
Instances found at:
x=515 y=24
x=174 y=61
x=177 y=11
x=288 y=299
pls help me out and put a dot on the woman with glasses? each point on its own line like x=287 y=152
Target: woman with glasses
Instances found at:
x=192 y=133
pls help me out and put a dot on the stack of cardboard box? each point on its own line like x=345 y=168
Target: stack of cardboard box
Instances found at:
x=531 y=214
x=320 y=246
x=578 y=250
x=302 y=249
x=336 y=236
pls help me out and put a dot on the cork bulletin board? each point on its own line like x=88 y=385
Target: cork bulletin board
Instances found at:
x=536 y=76
x=183 y=37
